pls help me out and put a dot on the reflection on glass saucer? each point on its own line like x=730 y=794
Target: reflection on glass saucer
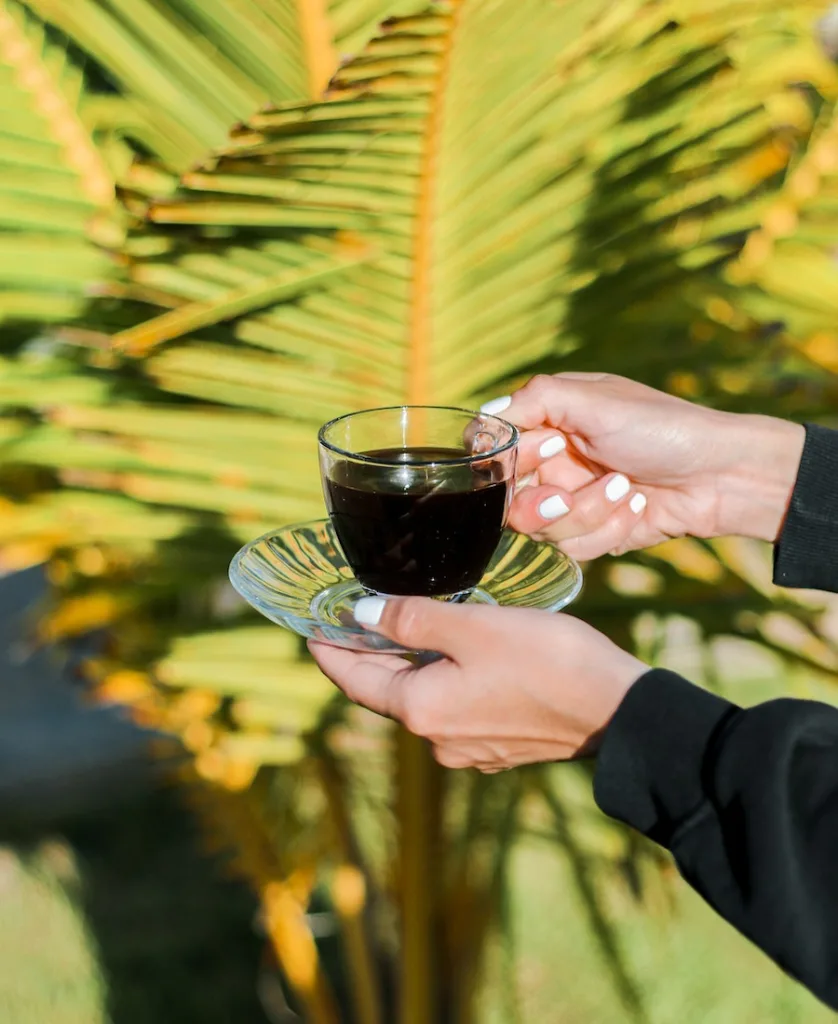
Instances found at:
x=297 y=577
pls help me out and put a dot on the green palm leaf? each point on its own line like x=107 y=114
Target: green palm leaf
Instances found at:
x=187 y=70
x=788 y=269
x=123 y=81
x=477 y=219
x=53 y=179
x=394 y=243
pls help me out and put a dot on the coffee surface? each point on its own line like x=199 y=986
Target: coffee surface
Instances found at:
x=422 y=526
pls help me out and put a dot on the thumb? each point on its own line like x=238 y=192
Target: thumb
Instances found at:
x=420 y=623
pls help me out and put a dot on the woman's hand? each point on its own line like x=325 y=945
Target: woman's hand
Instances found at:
x=517 y=686
x=618 y=466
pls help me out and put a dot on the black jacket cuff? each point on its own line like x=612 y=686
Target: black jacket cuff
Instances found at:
x=806 y=555
x=651 y=764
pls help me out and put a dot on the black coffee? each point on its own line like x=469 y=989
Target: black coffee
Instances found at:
x=415 y=529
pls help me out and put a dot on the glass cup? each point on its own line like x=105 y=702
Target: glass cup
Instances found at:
x=418 y=495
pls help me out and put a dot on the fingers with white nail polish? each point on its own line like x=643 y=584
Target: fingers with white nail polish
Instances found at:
x=558 y=515
x=536 y=508
x=553 y=507
x=638 y=503
x=617 y=487
x=552 y=446
x=496 y=406
x=613 y=537
x=547 y=450
x=368 y=610
x=560 y=497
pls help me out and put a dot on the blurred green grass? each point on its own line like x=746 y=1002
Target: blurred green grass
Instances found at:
x=692 y=968
x=48 y=969
x=166 y=958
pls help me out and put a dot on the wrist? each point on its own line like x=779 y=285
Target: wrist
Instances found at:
x=626 y=670
x=756 y=488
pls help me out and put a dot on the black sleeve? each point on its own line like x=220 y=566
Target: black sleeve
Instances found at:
x=747 y=800
x=806 y=555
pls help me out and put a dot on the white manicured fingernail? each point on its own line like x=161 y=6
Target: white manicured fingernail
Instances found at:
x=368 y=610
x=552 y=446
x=553 y=508
x=617 y=487
x=638 y=503
x=496 y=405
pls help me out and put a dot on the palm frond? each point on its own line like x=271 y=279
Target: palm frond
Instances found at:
x=482 y=270
x=433 y=226
x=53 y=179
x=187 y=70
x=95 y=95
x=788 y=270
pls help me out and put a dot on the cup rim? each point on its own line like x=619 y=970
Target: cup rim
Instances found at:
x=461 y=461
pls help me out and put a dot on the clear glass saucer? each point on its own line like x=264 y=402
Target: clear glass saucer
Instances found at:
x=297 y=577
